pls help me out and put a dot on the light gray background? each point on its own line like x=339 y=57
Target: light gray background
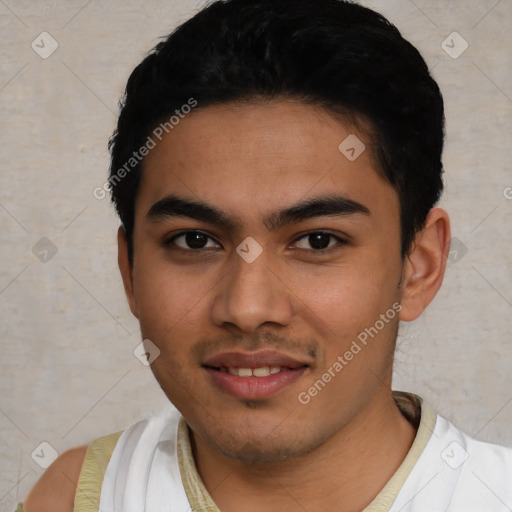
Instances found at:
x=68 y=373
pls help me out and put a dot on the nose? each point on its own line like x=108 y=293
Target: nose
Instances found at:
x=252 y=294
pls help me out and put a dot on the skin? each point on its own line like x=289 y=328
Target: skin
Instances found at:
x=249 y=160
x=55 y=490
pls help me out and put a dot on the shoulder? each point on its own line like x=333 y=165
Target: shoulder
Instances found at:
x=491 y=461
x=484 y=472
x=55 y=490
x=472 y=453
x=485 y=480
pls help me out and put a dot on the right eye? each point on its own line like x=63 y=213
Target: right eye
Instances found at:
x=192 y=240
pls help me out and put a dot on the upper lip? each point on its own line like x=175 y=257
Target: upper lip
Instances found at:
x=237 y=359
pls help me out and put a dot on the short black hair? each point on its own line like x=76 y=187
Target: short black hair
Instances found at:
x=331 y=53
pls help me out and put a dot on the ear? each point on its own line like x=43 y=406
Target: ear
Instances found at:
x=425 y=265
x=126 y=269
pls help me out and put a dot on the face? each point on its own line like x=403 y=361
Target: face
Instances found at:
x=290 y=254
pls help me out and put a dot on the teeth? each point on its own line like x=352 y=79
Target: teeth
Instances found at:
x=263 y=371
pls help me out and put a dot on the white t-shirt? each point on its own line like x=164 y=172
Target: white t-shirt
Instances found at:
x=445 y=470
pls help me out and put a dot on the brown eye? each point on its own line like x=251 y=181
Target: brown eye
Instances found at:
x=319 y=241
x=190 y=240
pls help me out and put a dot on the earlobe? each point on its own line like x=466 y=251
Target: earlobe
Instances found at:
x=126 y=269
x=425 y=265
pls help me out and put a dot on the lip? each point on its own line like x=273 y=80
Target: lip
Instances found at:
x=254 y=388
x=254 y=360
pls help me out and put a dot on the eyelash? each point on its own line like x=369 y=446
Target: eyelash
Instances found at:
x=327 y=250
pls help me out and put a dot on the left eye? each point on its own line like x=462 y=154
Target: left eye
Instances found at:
x=319 y=240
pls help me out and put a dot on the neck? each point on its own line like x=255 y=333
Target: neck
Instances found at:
x=350 y=468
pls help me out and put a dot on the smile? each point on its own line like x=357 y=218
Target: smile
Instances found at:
x=261 y=383
x=262 y=371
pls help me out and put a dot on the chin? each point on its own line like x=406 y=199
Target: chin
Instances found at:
x=263 y=450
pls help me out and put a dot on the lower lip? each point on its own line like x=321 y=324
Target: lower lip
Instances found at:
x=255 y=388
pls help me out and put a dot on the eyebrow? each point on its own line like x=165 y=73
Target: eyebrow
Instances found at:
x=331 y=205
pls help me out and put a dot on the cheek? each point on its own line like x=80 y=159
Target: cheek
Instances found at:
x=348 y=294
x=356 y=324
x=168 y=307
x=167 y=294
x=344 y=307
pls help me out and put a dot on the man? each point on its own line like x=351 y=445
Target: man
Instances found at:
x=276 y=167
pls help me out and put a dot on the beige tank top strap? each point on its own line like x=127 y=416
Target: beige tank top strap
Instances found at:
x=88 y=491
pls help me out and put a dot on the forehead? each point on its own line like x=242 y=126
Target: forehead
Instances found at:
x=257 y=156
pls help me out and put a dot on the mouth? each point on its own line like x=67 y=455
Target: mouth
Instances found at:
x=262 y=371
x=254 y=376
